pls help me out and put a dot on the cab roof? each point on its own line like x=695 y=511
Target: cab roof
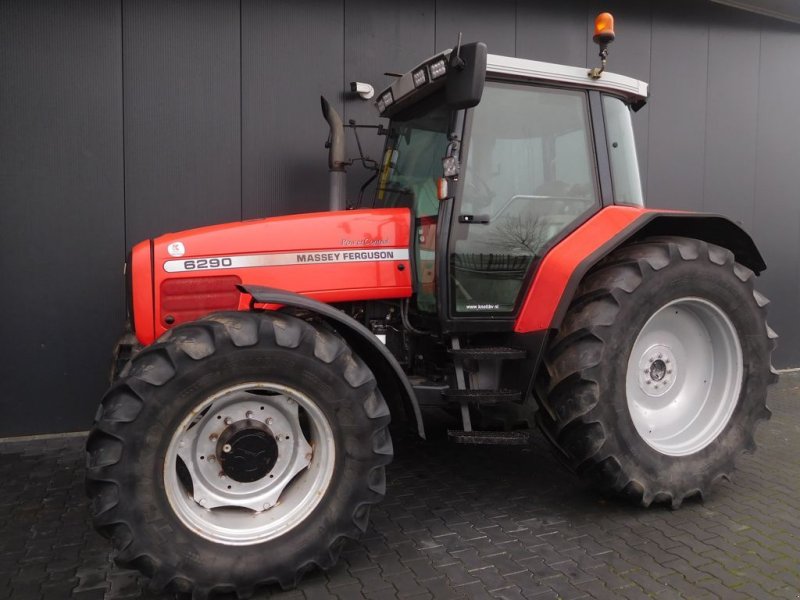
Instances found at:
x=507 y=67
x=405 y=90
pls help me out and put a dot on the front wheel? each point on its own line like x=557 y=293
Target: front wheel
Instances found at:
x=238 y=451
x=659 y=374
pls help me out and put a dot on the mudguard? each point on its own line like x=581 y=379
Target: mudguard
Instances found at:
x=564 y=266
x=391 y=378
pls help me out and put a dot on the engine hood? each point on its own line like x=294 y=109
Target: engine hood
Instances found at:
x=332 y=256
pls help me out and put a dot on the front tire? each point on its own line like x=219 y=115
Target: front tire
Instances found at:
x=658 y=377
x=241 y=450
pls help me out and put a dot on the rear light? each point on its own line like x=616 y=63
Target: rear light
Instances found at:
x=189 y=298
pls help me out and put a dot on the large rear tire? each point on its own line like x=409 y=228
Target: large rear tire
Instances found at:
x=238 y=451
x=658 y=376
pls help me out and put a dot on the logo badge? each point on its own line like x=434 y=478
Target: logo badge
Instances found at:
x=176 y=249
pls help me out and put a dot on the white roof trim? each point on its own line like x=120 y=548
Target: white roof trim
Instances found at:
x=542 y=71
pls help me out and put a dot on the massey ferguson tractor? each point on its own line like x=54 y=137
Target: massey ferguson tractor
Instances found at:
x=505 y=272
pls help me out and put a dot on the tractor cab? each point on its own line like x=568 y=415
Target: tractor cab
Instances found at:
x=499 y=159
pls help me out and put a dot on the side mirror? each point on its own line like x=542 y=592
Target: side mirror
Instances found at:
x=467 y=75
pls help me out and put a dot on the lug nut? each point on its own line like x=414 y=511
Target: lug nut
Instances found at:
x=212 y=458
x=222 y=474
x=248 y=414
x=269 y=421
x=228 y=421
x=226 y=448
x=213 y=437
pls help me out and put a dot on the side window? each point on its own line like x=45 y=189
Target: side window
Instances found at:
x=622 y=152
x=529 y=175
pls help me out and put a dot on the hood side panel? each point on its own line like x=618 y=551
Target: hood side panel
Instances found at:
x=333 y=257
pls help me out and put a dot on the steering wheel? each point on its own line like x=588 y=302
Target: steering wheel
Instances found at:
x=476 y=188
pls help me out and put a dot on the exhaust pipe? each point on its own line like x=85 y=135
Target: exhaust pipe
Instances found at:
x=336 y=157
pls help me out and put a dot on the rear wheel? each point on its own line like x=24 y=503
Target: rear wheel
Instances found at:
x=240 y=450
x=659 y=374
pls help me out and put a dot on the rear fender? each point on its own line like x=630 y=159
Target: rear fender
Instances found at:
x=565 y=265
x=713 y=229
x=392 y=381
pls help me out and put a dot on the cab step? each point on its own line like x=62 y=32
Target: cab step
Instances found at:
x=490 y=438
x=488 y=353
x=481 y=396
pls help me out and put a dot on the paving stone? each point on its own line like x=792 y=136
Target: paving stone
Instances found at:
x=123 y=585
x=461 y=523
x=351 y=591
x=421 y=568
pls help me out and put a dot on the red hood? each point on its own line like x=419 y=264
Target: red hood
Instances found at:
x=332 y=256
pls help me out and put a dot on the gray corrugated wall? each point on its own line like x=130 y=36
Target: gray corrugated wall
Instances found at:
x=62 y=226
x=121 y=120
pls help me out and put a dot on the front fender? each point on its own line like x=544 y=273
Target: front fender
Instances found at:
x=392 y=380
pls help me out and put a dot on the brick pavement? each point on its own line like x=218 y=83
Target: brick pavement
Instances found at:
x=464 y=522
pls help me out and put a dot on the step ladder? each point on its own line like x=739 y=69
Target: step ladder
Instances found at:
x=464 y=396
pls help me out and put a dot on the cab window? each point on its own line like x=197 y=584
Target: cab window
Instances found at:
x=622 y=152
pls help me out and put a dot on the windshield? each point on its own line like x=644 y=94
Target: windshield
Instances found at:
x=412 y=163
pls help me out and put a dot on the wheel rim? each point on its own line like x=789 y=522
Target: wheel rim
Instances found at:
x=249 y=463
x=684 y=376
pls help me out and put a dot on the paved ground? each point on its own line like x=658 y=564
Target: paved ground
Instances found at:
x=461 y=522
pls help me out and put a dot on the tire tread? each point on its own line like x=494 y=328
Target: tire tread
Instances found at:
x=567 y=388
x=154 y=367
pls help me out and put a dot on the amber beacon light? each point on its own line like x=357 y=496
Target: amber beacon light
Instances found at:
x=604 y=28
x=603 y=36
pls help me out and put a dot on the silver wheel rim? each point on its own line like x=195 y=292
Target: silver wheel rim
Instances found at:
x=684 y=376
x=203 y=483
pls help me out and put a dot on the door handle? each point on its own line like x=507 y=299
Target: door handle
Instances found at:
x=479 y=219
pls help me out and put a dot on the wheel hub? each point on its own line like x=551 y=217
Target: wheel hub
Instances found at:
x=228 y=453
x=247 y=451
x=657 y=370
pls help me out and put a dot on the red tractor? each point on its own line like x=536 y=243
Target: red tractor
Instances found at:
x=504 y=272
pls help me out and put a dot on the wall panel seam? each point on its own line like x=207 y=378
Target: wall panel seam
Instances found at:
x=758 y=120
x=705 y=114
x=122 y=108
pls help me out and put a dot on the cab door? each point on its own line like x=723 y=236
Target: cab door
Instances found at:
x=529 y=177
